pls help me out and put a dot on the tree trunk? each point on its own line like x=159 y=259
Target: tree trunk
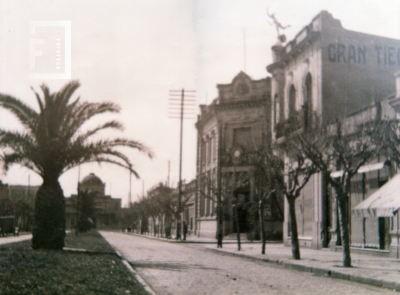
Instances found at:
x=154 y=227
x=344 y=226
x=219 y=227
x=262 y=227
x=293 y=226
x=49 y=224
x=178 y=227
x=237 y=226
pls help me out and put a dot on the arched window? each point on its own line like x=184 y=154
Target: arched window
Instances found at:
x=308 y=102
x=202 y=198
x=276 y=109
x=208 y=143
x=292 y=101
x=203 y=152
x=214 y=146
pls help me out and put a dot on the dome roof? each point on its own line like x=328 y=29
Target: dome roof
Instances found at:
x=92 y=179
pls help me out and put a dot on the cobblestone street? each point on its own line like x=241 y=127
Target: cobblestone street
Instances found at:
x=171 y=268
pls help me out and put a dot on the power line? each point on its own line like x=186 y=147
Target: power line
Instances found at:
x=182 y=117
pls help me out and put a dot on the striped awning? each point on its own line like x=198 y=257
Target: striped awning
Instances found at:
x=383 y=203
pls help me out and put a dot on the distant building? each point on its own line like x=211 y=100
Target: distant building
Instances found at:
x=188 y=199
x=107 y=213
x=164 y=222
x=159 y=221
x=18 y=201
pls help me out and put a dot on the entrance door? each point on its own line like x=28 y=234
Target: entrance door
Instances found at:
x=240 y=217
x=383 y=226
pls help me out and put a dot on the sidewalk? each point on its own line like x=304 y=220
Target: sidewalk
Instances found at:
x=196 y=240
x=377 y=271
x=11 y=239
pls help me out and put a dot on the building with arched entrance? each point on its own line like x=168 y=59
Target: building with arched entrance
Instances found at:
x=326 y=72
x=236 y=123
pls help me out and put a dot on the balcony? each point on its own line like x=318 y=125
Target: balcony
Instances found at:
x=293 y=123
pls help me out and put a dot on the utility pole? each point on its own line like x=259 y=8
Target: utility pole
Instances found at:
x=219 y=190
x=244 y=48
x=77 y=201
x=130 y=189
x=182 y=114
x=169 y=167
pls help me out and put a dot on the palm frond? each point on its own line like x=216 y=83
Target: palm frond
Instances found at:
x=53 y=142
x=64 y=95
x=16 y=140
x=121 y=142
x=99 y=160
x=112 y=124
x=20 y=159
x=39 y=101
x=24 y=113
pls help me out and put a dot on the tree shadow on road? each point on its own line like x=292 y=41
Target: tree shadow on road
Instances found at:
x=169 y=266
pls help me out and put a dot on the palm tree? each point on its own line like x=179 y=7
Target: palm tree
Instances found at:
x=52 y=143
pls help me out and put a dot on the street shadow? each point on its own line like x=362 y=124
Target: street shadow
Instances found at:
x=169 y=266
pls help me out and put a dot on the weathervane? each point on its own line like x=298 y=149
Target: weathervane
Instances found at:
x=278 y=25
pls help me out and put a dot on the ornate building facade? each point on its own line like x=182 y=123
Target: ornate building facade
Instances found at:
x=229 y=129
x=326 y=72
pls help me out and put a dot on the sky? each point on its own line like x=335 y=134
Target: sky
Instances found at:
x=134 y=52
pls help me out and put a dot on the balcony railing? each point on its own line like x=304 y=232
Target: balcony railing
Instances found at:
x=293 y=123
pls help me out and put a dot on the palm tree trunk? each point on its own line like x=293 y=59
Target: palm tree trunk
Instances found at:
x=293 y=226
x=49 y=217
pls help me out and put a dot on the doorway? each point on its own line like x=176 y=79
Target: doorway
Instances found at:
x=240 y=217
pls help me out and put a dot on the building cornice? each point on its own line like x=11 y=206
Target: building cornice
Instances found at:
x=294 y=51
x=229 y=106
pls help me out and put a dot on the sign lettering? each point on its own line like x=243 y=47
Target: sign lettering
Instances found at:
x=347 y=54
x=341 y=53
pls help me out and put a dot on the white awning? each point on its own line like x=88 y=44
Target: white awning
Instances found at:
x=383 y=203
x=371 y=167
x=362 y=169
x=337 y=174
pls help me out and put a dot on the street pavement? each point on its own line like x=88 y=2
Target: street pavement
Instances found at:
x=373 y=270
x=197 y=268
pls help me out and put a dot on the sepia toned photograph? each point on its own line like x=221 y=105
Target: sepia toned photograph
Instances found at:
x=199 y=147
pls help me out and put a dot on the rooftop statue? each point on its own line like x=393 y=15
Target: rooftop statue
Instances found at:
x=278 y=26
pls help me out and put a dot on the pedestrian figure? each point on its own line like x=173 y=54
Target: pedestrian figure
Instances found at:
x=185 y=229
x=178 y=231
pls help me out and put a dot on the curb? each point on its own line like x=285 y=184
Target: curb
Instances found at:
x=319 y=271
x=91 y=252
x=130 y=268
x=119 y=255
x=135 y=273
x=193 y=242
x=138 y=277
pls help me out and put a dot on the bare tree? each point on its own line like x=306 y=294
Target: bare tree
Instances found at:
x=267 y=187
x=152 y=210
x=344 y=148
x=208 y=189
x=287 y=173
